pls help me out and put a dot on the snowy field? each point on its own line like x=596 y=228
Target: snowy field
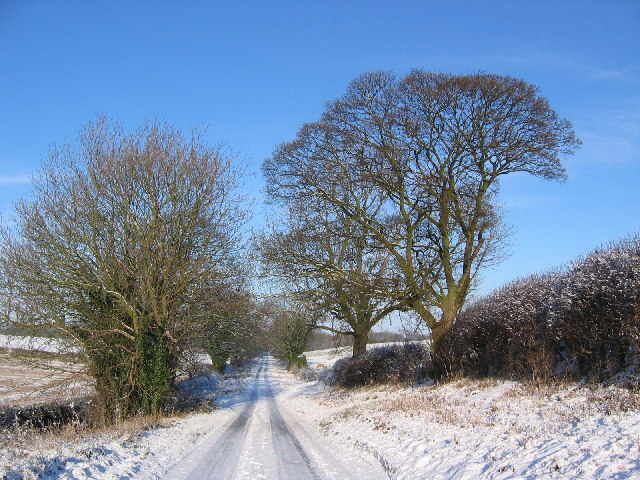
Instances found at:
x=143 y=448
x=32 y=372
x=462 y=430
x=36 y=344
x=23 y=384
x=488 y=429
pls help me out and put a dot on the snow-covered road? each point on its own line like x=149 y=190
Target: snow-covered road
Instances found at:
x=269 y=439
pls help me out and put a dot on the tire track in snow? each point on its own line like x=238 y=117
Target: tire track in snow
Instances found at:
x=222 y=461
x=293 y=461
x=265 y=442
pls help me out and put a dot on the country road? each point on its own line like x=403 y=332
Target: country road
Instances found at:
x=270 y=439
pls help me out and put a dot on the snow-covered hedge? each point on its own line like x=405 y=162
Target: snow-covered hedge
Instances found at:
x=47 y=416
x=507 y=332
x=583 y=320
x=395 y=363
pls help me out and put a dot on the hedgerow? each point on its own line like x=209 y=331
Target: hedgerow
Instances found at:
x=581 y=321
x=395 y=364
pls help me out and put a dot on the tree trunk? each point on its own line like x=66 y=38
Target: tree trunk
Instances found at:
x=440 y=330
x=153 y=382
x=360 y=342
x=441 y=361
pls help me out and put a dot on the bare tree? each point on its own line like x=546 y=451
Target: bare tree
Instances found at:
x=288 y=329
x=326 y=260
x=435 y=146
x=235 y=327
x=120 y=246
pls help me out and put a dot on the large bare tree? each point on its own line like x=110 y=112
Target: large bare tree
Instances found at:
x=436 y=146
x=120 y=247
x=325 y=259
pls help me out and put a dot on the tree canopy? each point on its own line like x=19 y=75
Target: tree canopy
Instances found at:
x=126 y=244
x=434 y=146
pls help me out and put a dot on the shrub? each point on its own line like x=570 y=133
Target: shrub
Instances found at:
x=597 y=315
x=296 y=363
x=195 y=394
x=393 y=364
x=219 y=363
x=507 y=333
x=315 y=374
x=308 y=374
x=583 y=321
x=47 y=416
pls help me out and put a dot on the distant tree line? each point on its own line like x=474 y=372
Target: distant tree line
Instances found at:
x=320 y=340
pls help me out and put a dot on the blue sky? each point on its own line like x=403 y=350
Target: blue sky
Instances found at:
x=254 y=71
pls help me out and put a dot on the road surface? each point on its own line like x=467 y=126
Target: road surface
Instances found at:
x=269 y=440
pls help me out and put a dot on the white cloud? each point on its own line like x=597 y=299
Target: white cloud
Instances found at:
x=612 y=135
x=14 y=179
x=515 y=201
x=557 y=61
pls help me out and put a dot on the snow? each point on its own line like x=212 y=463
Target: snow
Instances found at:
x=469 y=432
x=37 y=344
x=465 y=429
x=470 y=429
x=326 y=358
x=118 y=454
